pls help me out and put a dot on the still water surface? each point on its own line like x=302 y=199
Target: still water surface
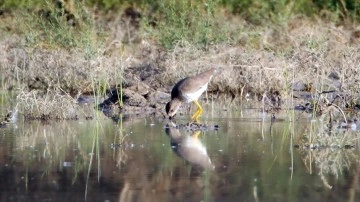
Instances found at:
x=139 y=159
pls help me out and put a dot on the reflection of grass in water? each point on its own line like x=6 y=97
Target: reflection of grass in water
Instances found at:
x=327 y=146
x=119 y=140
x=45 y=147
x=95 y=145
x=328 y=162
x=320 y=135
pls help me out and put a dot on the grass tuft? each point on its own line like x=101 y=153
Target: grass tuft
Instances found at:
x=35 y=105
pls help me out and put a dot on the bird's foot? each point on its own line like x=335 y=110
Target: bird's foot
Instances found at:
x=195 y=119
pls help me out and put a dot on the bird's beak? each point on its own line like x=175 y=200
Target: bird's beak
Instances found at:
x=171 y=117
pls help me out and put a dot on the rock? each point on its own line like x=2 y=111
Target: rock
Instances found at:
x=129 y=98
x=334 y=75
x=299 y=86
x=137 y=110
x=158 y=97
x=85 y=99
x=140 y=88
x=132 y=98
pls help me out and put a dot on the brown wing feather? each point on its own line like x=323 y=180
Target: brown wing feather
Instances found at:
x=197 y=80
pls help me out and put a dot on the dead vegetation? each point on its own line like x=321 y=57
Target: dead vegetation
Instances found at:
x=315 y=55
x=117 y=52
x=48 y=106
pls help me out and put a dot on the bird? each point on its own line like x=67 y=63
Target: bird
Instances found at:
x=189 y=90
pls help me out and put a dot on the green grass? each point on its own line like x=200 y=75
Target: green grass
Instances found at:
x=192 y=21
x=49 y=29
x=187 y=21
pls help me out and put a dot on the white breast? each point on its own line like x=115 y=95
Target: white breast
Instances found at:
x=195 y=95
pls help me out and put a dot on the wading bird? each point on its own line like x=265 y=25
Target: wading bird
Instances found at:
x=189 y=90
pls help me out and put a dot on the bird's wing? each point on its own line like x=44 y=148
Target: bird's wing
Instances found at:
x=197 y=80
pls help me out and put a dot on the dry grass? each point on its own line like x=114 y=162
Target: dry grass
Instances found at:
x=72 y=71
x=306 y=52
x=254 y=60
x=48 y=106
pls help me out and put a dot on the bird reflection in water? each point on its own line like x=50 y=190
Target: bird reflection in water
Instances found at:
x=189 y=147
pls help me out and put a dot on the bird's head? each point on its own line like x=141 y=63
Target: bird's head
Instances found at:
x=172 y=107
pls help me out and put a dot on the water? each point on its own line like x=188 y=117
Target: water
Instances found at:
x=138 y=159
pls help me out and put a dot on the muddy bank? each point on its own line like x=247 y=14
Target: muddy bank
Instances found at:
x=142 y=82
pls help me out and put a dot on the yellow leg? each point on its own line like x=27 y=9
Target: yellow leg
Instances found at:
x=195 y=115
x=198 y=113
x=196 y=134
